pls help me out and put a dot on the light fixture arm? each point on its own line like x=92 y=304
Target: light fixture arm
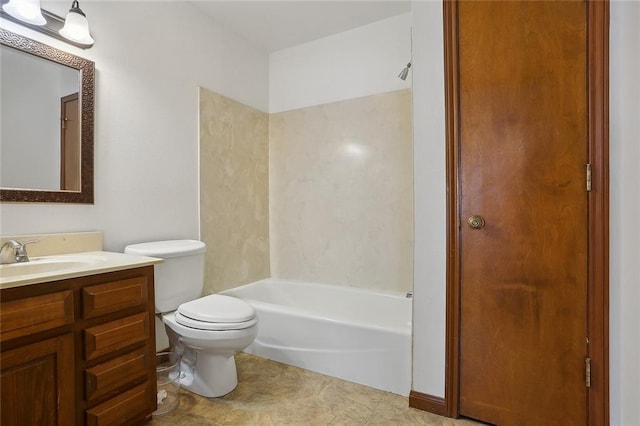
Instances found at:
x=75 y=7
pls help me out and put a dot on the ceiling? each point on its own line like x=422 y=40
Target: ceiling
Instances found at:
x=275 y=25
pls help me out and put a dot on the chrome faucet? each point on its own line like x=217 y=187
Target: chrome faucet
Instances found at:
x=14 y=251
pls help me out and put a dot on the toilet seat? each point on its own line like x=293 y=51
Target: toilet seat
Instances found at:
x=216 y=312
x=213 y=326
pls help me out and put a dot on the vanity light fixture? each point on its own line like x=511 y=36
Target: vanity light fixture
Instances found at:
x=26 y=11
x=74 y=29
x=76 y=26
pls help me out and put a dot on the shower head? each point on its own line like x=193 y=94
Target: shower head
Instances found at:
x=405 y=72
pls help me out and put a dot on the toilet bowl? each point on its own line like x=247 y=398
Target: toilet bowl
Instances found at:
x=208 y=347
x=207 y=331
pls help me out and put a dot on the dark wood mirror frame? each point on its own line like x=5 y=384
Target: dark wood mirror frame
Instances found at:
x=87 y=77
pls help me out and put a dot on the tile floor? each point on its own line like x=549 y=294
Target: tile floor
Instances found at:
x=271 y=393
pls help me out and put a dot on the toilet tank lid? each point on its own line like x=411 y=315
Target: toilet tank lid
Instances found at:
x=167 y=249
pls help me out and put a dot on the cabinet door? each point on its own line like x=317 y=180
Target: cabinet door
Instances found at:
x=38 y=383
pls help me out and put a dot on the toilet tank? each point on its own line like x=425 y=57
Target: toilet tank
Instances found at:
x=180 y=277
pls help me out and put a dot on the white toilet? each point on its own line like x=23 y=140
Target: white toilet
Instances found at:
x=207 y=330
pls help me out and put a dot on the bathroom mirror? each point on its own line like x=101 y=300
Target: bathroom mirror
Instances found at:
x=46 y=145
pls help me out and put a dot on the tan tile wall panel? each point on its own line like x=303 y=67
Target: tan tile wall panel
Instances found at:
x=341 y=193
x=234 y=186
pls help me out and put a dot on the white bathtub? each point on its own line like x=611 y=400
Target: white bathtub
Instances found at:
x=362 y=336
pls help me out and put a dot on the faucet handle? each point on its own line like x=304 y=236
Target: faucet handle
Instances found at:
x=28 y=242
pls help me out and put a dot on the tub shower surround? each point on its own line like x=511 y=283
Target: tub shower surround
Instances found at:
x=340 y=193
x=234 y=185
x=320 y=194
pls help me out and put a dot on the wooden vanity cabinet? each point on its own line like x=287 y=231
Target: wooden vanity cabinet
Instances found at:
x=79 y=351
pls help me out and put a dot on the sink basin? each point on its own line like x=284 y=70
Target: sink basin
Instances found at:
x=70 y=265
x=49 y=264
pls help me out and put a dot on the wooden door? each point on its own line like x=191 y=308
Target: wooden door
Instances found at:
x=70 y=143
x=522 y=168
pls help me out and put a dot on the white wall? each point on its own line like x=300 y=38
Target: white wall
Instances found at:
x=625 y=209
x=429 y=278
x=150 y=59
x=360 y=62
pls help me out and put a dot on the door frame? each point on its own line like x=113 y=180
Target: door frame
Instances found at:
x=597 y=207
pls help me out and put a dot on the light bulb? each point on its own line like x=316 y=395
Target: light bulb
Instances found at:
x=26 y=11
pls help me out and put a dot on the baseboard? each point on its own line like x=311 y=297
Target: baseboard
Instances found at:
x=425 y=402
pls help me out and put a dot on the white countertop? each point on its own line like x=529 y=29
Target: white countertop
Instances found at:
x=71 y=265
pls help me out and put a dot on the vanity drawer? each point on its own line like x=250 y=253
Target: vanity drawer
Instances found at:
x=112 y=336
x=108 y=376
x=34 y=314
x=114 y=296
x=124 y=408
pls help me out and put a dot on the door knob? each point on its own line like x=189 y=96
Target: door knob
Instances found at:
x=476 y=222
